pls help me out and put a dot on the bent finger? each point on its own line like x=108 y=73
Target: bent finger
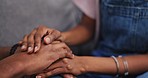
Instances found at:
x=52 y=72
x=62 y=53
x=24 y=43
x=62 y=45
x=40 y=33
x=52 y=36
x=31 y=41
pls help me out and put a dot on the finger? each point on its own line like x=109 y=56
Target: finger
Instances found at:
x=58 y=64
x=20 y=43
x=56 y=42
x=68 y=76
x=24 y=43
x=38 y=76
x=61 y=38
x=31 y=41
x=53 y=72
x=62 y=53
x=52 y=35
x=40 y=33
x=62 y=45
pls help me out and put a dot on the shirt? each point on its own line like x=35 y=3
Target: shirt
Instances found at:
x=91 y=9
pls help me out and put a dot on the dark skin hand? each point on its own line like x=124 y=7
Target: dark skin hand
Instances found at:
x=32 y=42
x=4 y=52
x=73 y=66
x=53 y=51
x=21 y=63
x=100 y=65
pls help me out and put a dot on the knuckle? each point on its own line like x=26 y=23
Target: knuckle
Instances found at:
x=41 y=28
x=57 y=33
x=65 y=61
x=30 y=36
x=52 y=37
x=37 y=36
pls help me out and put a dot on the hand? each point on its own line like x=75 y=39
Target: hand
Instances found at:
x=32 y=42
x=36 y=63
x=75 y=66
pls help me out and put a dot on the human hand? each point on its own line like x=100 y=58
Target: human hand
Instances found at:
x=75 y=66
x=32 y=42
x=36 y=63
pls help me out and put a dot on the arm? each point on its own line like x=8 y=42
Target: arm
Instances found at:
x=80 y=34
x=100 y=65
x=12 y=67
x=21 y=63
x=4 y=52
x=83 y=32
x=107 y=65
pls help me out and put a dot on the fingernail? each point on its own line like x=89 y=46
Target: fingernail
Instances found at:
x=36 y=49
x=73 y=56
x=47 y=40
x=29 y=49
x=23 y=47
x=71 y=77
x=38 y=76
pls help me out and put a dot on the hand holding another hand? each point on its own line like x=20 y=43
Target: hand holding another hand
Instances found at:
x=75 y=66
x=37 y=63
x=32 y=42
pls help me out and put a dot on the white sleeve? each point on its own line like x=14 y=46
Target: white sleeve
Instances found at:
x=87 y=6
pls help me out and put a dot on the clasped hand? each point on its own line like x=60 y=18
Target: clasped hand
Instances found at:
x=54 y=56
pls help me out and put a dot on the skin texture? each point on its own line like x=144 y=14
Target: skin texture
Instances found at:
x=32 y=42
x=4 y=52
x=21 y=63
x=100 y=65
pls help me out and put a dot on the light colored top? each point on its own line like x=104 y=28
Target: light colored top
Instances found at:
x=91 y=9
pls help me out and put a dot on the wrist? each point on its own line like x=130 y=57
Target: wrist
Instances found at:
x=65 y=36
x=10 y=68
x=19 y=69
x=84 y=65
x=18 y=65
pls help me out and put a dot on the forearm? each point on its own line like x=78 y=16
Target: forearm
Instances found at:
x=12 y=67
x=4 y=52
x=136 y=64
x=76 y=36
x=81 y=33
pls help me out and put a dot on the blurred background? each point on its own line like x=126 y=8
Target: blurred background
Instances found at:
x=20 y=17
